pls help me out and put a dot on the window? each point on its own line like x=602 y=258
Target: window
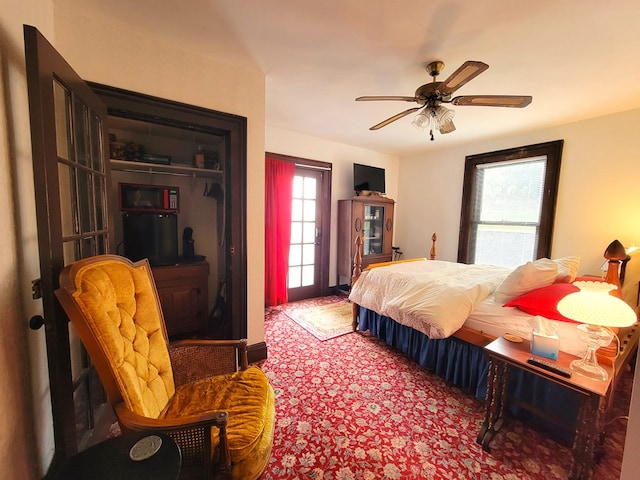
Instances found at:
x=508 y=205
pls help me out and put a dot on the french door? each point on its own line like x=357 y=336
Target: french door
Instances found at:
x=310 y=223
x=71 y=175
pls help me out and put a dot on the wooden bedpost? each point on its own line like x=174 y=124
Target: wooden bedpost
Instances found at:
x=432 y=253
x=357 y=270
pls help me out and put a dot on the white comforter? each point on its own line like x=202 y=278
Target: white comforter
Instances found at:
x=432 y=296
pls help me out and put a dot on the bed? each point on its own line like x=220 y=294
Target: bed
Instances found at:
x=444 y=327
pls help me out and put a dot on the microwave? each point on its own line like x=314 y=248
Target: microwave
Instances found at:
x=137 y=198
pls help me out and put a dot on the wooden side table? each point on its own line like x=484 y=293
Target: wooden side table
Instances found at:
x=504 y=355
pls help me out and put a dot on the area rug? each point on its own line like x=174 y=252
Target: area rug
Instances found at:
x=324 y=321
x=354 y=409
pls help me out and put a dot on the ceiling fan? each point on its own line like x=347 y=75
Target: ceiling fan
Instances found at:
x=431 y=96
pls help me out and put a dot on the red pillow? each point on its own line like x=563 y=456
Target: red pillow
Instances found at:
x=544 y=301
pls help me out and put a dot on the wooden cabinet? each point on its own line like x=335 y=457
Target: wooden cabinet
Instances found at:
x=183 y=292
x=371 y=219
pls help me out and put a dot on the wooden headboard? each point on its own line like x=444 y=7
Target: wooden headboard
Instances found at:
x=357 y=258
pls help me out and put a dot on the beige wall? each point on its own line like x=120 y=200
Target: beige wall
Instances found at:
x=154 y=65
x=598 y=198
x=24 y=400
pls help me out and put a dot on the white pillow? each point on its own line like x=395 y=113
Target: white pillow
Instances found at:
x=526 y=278
x=567 y=268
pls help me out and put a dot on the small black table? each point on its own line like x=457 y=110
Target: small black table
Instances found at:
x=109 y=460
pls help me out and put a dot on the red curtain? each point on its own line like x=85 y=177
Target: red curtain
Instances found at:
x=278 y=192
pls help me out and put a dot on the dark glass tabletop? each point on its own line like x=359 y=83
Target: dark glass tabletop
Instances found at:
x=112 y=459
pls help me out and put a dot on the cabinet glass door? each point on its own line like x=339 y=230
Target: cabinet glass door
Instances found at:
x=373 y=230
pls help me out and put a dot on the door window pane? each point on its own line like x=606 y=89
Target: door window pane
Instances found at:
x=295 y=255
x=309 y=188
x=308 y=253
x=373 y=230
x=308 y=272
x=100 y=189
x=95 y=136
x=309 y=232
x=296 y=210
x=296 y=232
x=294 y=280
x=81 y=132
x=68 y=201
x=297 y=187
x=86 y=205
x=61 y=114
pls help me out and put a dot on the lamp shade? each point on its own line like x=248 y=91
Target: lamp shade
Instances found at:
x=615 y=251
x=597 y=307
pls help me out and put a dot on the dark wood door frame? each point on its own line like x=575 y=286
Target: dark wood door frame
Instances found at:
x=326 y=207
x=138 y=106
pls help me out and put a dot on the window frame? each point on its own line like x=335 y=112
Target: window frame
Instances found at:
x=553 y=153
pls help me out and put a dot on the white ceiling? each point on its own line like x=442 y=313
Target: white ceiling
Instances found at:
x=577 y=58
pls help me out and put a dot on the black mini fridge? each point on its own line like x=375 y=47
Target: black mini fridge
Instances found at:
x=151 y=235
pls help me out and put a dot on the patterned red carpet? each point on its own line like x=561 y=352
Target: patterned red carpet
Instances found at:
x=352 y=408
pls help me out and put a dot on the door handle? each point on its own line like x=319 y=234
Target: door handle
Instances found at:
x=36 y=322
x=318 y=235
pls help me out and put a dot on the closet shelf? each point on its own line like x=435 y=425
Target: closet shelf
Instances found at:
x=176 y=170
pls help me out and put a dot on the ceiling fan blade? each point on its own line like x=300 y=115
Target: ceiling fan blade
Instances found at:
x=447 y=127
x=514 y=101
x=395 y=117
x=467 y=71
x=404 y=99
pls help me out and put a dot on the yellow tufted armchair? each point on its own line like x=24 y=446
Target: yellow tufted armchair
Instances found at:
x=201 y=392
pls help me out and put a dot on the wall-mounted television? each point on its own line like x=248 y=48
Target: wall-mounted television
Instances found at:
x=368 y=178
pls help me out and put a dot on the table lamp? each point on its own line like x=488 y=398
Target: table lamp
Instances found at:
x=615 y=253
x=596 y=310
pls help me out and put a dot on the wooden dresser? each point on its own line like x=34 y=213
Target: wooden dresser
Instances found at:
x=184 y=295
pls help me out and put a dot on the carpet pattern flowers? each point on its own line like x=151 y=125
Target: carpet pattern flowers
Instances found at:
x=352 y=408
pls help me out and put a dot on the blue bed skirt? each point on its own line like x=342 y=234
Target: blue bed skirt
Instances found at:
x=466 y=366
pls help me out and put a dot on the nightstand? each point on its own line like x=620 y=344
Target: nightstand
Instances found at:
x=504 y=355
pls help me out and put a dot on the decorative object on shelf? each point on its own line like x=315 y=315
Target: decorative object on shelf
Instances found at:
x=133 y=151
x=199 y=157
x=211 y=160
x=188 y=244
x=157 y=159
x=597 y=311
x=117 y=150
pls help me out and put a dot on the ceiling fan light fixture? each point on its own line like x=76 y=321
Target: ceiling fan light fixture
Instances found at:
x=435 y=118
x=431 y=114
x=422 y=119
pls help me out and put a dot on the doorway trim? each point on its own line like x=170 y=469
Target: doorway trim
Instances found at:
x=325 y=200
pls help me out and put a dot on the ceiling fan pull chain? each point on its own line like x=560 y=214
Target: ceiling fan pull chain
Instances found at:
x=431 y=133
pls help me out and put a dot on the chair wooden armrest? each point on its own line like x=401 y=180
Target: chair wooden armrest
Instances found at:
x=192 y=433
x=196 y=359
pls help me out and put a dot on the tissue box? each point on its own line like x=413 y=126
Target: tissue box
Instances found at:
x=545 y=345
